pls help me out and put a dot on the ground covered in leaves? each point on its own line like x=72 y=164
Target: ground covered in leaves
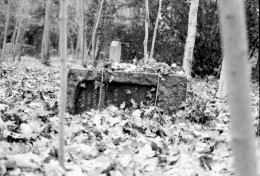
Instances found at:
x=114 y=142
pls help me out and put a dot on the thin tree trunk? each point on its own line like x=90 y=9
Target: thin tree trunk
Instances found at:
x=19 y=45
x=155 y=28
x=72 y=50
x=146 y=31
x=256 y=72
x=235 y=44
x=80 y=17
x=45 y=56
x=191 y=36
x=97 y=46
x=18 y=36
x=78 y=25
x=7 y=21
x=18 y=41
x=95 y=31
x=86 y=49
x=14 y=51
x=78 y=47
x=63 y=73
x=14 y=34
x=222 y=88
x=82 y=30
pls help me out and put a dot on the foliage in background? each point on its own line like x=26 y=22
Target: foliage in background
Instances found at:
x=118 y=23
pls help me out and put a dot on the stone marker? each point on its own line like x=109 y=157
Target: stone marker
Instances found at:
x=131 y=88
x=115 y=52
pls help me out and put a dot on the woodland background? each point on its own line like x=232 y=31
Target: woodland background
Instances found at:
x=124 y=21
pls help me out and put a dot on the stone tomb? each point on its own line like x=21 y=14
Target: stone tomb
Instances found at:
x=117 y=87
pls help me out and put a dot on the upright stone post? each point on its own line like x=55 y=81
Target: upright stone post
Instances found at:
x=115 y=52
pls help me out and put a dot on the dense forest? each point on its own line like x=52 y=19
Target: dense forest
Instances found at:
x=129 y=88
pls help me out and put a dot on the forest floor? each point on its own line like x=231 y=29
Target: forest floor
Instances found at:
x=114 y=142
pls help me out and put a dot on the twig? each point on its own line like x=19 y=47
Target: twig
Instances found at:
x=157 y=89
x=101 y=86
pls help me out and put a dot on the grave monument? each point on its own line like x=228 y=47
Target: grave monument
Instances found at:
x=89 y=89
x=97 y=89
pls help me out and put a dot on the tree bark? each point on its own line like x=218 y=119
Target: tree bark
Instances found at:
x=95 y=31
x=72 y=50
x=155 y=28
x=191 y=36
x=222 y=88
x=16 y=38
x=97 y=46
x=45 y=56
x=86 y=49
x=19 y=44
x=14 y=33
x=235 y=44
x=80 y=17
x=7 y=21
x=256 y=72
x=63 y=73
x=146 y=30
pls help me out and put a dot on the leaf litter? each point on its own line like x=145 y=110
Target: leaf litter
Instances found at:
x=196 y=140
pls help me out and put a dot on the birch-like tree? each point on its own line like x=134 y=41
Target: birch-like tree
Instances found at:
x=86 y=48
x=94 y=34
x=22 y=16
x=45 y=55
x=155 y=28
x=63 y=73
x=146 y=31
x=7 y=21
x=235 y=44
x=191 y=36
x=80 y=18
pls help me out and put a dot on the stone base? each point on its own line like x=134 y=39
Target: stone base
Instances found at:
x=117 y=87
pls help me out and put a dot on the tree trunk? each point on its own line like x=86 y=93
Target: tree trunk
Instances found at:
x=95 y=31
x=222 y=88
x=235 y=44
x=256 y=71
x=7 y=21
x=82 y=30
x=72 y=50
x=14 y=51
x=14 y=33
x=19 y=44
x=80 y=17
x=18 y=36
x=86 y=56
x=97 y=46
x=146 y=31
x=63 y=73
x=45 y=56
x=155 y=28
x=191 y=36
x=86 y=49
x=18 y=41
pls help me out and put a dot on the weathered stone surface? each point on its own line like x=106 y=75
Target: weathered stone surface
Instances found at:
x=122 y=87
x=113 y=93
x=115 y=52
